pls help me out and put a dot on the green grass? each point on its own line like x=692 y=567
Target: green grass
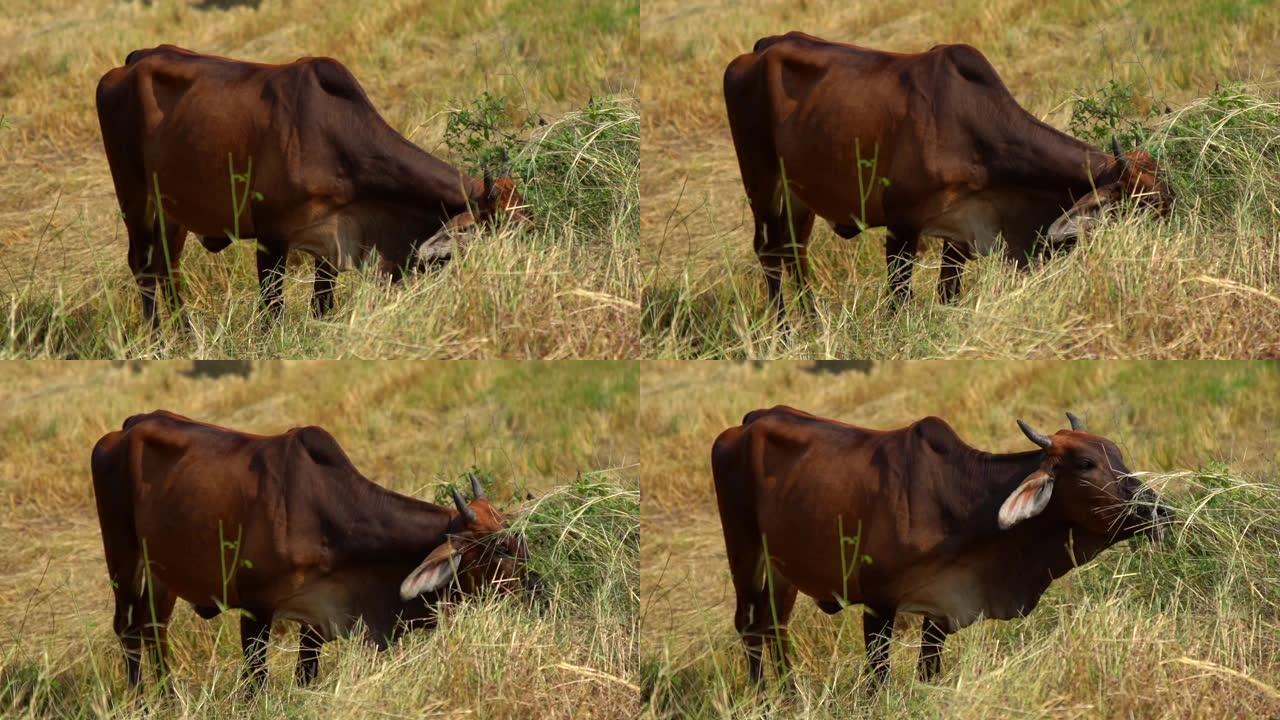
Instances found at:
x=411 y=426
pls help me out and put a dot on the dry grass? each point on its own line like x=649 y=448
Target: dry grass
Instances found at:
x=569 y=288
x=554 y=429
x=1204 y=284
x=1184 y=629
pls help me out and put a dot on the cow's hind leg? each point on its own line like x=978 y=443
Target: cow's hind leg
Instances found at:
x=746 y=567
x=932 y=636
x=166 y=259
x=255 y=631
x=877 y=630
x=309 y=642
x=797 y=226
x=782 y=243
x=776 y=603
x=142 y=247
x=143 y=609
x=900 y=247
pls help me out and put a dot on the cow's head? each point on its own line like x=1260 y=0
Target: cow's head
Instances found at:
x=1084 y=478
x=479 y=553
x=1137 y=176
x=494 y=201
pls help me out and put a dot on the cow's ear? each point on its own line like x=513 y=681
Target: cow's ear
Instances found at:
x=1028 y=500
x=434 y=573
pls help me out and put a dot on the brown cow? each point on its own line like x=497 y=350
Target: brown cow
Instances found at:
x=283 y=527
x=927 y=143
x=327 y=175
x=909 y=520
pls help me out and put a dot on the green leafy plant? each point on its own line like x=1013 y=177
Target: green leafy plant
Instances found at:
x=486 y=133
x=1115 y=110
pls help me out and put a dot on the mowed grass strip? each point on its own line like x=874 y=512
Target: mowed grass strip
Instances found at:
x=567 y=287
x=554 y=430
x=1188 y=628
x=1205 y=283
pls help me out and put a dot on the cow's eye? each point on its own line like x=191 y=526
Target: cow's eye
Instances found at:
x=1085 y=463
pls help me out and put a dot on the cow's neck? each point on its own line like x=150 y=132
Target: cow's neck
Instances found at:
x=978 y=484
x=406 y=174
x=980 y=570
x=1045 y=157
x=379 y=525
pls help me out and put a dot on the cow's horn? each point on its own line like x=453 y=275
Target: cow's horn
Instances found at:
x=1043 y=441
x=1120 y=158
x=1076 y=423
x=488 y=186
x=463 y=509
x=477 y=491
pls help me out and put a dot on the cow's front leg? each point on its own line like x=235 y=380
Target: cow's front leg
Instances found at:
x=271 y=257
x=309 y=642
x=932 y=636
x=255 y=631
x=954 y=256
x=877 y=630
x=322 y=294
x=900 y=254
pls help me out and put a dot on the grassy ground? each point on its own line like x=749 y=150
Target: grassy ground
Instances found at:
x=557 y=430
x=1189 y=628
x=567 y=288
x=1206 y=283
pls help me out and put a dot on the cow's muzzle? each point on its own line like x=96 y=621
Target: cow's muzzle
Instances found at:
x=1152 y=516
x=1072 y=225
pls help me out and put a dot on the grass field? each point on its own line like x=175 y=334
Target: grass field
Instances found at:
x=557 y=430
x=569 y=287
x=1205 y=283
x=1188 y=628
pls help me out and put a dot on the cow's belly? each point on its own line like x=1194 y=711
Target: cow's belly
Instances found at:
x=973 y=221
x=322 y=603
x=811 y=555
x=949 y=594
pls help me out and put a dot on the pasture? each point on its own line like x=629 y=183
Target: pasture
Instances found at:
x=555 y=430
x=548 y=83
x=1189 y=628
x=1204 y=283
